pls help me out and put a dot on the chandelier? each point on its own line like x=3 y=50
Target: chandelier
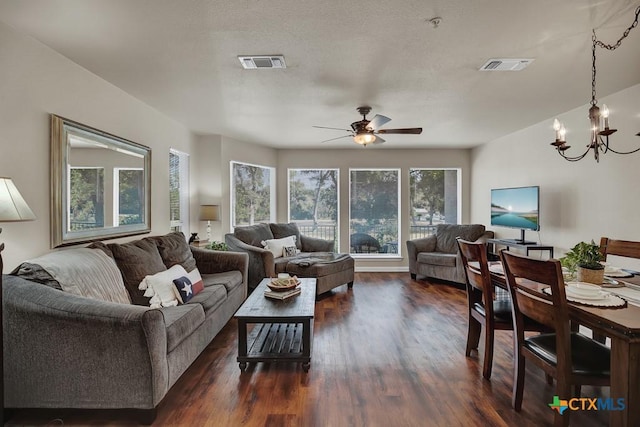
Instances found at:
x=600 y=130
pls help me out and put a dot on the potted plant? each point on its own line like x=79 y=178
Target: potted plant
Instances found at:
x=584 y=260
x=217 y=246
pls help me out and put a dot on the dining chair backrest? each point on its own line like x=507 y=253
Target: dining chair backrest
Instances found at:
x=551 y=310
x=476 y=268
x=623 y=248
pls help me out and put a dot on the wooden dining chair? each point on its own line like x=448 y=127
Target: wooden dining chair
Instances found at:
x=484 y=308
x=570 y=357
x=623 y=248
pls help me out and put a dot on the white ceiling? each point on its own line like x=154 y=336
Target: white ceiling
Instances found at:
x=180 y=57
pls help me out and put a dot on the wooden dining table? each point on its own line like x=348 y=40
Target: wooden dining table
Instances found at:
x=622 y=325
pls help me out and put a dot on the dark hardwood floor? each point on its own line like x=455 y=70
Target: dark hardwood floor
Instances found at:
x=389 y=352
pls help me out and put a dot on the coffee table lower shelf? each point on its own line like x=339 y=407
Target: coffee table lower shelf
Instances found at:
x=275 y=342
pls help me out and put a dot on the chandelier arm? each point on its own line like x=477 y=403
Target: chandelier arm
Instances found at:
x=624 y=152
x=575 y=159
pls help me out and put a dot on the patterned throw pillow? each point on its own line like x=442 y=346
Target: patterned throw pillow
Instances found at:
x=276 y=246
x=188 y=286
x=289 y=251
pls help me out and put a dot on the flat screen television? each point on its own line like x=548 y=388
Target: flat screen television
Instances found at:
x=517 y=207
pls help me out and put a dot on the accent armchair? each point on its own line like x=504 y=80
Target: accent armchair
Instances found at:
x=438 y=256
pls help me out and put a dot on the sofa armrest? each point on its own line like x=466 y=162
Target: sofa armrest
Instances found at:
x=486 y=236
x=414 y=247
x=261 y=263
x=313 y=244
x=63 y=350
x=210 y=262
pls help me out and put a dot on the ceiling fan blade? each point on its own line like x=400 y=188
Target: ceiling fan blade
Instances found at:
x=377 y=121
x=333 y=139
x=324 y=127
x=413 y=131
x=379 y=140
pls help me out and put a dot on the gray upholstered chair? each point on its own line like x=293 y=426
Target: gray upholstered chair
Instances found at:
x=438 y=256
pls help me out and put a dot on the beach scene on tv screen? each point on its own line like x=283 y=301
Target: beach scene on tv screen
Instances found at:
x=515 y=207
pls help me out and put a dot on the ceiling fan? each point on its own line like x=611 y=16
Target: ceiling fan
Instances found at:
x=365 y=132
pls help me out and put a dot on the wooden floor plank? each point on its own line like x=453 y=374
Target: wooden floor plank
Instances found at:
x=389 y=352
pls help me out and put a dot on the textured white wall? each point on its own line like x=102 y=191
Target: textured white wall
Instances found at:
x=36 y=81
x=579 y=201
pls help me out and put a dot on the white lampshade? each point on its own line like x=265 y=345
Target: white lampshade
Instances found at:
x=209 y=213
x=12 y=205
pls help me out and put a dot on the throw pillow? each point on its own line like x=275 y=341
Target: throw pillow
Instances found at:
x=174 y=249
x=185 y=289
x=196 y=281
x=281 y=230
x=160 y=288
x=136 y=260
x=289 y=251
x=276 y=246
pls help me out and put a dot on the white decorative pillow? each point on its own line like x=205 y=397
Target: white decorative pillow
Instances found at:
x=160 y=288
x=276 y=246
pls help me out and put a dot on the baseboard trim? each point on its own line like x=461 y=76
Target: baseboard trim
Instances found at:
x=379 y=269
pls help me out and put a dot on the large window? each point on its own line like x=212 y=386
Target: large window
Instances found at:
x=178 y=190
x=252 y=194
x=374 y=211
x=128 y=200
x=313 y=202
x=435 y=199
x=86 y=198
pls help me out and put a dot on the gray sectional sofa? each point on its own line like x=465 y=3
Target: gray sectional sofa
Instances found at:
x=64 y=350
x=312 y=257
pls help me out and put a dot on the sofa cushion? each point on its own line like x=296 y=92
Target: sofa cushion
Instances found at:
x=280 y=264
x=174 y=249
x=229 y=279
x=180 y=322
x=86 y=272
x=276 y=246
x=136 y=260
x=284 y=230
x=446 y=235
x=210 y=298
x=437 y=258
x=254 y=234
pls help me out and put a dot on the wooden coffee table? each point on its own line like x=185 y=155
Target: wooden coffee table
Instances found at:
x=283 y=330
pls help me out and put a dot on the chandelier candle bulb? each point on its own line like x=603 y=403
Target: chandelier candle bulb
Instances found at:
x=605 y=114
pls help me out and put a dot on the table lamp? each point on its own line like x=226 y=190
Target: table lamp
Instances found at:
x=209 y=213
x=13 y=208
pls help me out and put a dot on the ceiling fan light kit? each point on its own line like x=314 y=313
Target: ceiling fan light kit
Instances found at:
x=365 y=132
x=599 y=119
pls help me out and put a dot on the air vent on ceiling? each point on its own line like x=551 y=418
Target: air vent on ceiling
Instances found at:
x=506 y=64
x=254 y=62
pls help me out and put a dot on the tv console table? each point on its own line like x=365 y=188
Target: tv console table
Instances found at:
x=526 y=247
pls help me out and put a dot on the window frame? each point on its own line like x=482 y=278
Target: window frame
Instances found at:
x=232 y=191
x=398 y=254
x=183 y=224
x=337 y=223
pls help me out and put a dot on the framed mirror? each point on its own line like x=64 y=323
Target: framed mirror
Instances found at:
x=100 y=185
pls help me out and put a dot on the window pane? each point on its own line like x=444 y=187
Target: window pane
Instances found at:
x=253 y=193
x=434 y=200
x=313 y=202
x=178 y=190
x=374 y=211
x=86 y=207
x=130 y=196
x=174 y=187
